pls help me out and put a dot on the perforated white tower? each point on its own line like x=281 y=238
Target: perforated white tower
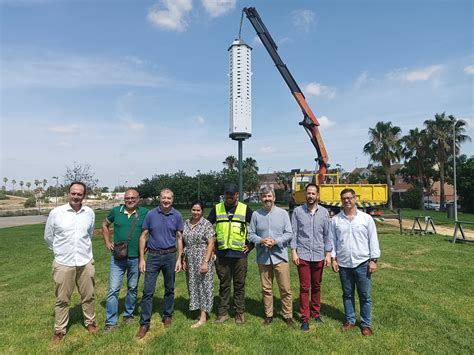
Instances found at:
x=240 y=122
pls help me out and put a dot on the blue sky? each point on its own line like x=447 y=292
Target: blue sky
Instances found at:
x=140 y=87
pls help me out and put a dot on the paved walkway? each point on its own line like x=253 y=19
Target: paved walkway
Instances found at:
x=6 y=222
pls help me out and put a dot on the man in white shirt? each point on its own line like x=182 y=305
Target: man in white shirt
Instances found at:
x=68 y=233
x=354 y=256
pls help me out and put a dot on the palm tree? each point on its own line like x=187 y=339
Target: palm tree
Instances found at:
x=21 y=185
x=13 y=184
x=44 y=183
x=417 y=153
x=5 y=180
x=440 y=131
x=230 y=162
x=28 y=185
x=37 y=182
x=385 y=147
x=251 y=164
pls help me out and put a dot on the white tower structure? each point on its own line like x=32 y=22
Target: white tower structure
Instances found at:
x=240 y=122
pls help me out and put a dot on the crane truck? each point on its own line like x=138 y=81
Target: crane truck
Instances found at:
x=368 y=195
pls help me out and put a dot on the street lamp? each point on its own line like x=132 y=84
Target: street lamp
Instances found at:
x=56 y=189
x=454 y=166
x=199 y=184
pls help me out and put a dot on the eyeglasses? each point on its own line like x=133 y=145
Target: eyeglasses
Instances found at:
x=347 y=198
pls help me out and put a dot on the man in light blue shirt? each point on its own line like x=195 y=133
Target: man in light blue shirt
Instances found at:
x=270 y=231
x=355 y=254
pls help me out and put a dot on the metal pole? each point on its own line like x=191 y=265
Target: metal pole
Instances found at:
x=454 y=164
x=240 y=171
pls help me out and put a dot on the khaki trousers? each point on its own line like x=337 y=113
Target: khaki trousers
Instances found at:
x=65 y=278
x=281 y=272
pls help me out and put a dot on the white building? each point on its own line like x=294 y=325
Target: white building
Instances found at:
x=240 y=123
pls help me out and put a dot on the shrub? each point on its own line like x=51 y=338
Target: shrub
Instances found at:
x=30 y=202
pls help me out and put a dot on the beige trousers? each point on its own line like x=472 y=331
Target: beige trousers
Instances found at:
x=65 y=278
x=281 y=272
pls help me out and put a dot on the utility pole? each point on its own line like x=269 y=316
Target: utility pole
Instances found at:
x=454 y=169
x=56 y=190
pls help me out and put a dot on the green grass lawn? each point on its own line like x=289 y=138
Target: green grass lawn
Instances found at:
x=422 y=294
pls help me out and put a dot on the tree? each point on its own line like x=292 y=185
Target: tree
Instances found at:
x=44 y=183
x=231 y=162
x=82 y=173
x=21 y=185
x=465 y=185
x=284 y=178
x=37 y=182
x=250 y=175
x=384 y=147
x=13 y=184
x=440 y=131
x=5 y=180
x=419 y=162
x=28 y=185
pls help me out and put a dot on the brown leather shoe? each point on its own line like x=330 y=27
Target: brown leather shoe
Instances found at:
x=239 y=318
x=167 y=322
x=347 y=326
x=267 y=320
x=92 y=328
x=57 y=337
x=290 y=323
x=366 y=331
x=142 y=331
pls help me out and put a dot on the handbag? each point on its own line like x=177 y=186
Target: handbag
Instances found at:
x=121 y=248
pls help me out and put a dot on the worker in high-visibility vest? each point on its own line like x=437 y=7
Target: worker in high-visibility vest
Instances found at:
x=230 y=219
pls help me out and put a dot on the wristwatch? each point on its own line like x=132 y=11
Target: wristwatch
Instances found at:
x=374 y=260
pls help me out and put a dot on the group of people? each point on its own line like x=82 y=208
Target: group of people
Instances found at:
x=149 y=241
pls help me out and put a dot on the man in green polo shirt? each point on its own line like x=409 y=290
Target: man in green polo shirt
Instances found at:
x=127 y=219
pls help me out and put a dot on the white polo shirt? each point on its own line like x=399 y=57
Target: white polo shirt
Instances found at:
x=69 y=235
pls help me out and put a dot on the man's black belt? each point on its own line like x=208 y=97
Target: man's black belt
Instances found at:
x=162 y=251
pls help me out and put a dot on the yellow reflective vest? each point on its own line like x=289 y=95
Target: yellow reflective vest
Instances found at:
x=231 y=234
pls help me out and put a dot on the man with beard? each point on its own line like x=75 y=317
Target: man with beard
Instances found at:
x=230 y=220
x=311 y=252
x=270 y=231
x=355 y=255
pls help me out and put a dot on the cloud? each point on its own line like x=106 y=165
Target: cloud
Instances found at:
x=422 y=74
x=200 y=120
x=325 y=122
x=170 y=14
x=35 y=69
x=257 y=41
x=469 y=69
x=316 y=89
x=217 y=8
x=65 y=129
x=362 y=79
x=303 y=19
x=63 y=144
x=133 y=125
x=285 y=40
x=267 y=149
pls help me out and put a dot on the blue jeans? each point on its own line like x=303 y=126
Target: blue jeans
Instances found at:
x=154 y=264
x=117 y=270
x=360 y=277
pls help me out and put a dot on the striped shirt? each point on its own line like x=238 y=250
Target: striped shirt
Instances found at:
x=311 y=233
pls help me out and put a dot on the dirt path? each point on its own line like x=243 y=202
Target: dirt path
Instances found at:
x=443 y=230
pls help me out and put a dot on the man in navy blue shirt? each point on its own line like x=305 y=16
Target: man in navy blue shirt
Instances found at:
x=162 y=231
